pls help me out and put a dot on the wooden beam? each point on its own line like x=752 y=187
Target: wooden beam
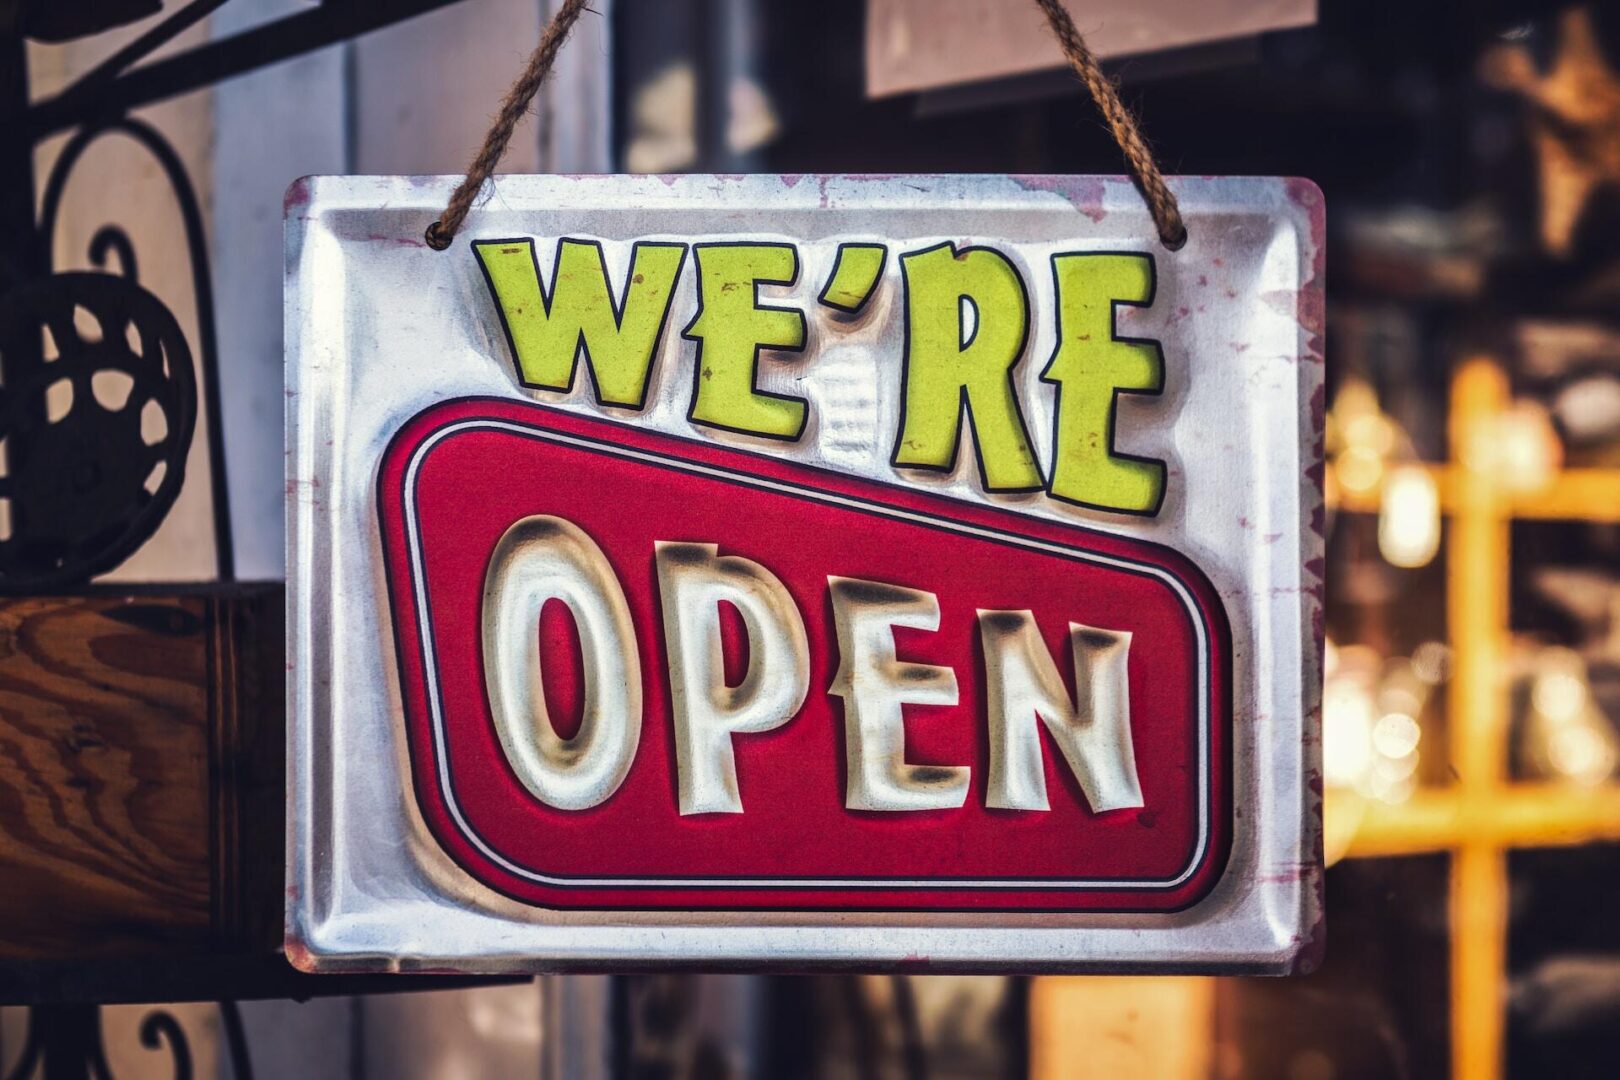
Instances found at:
x=140 y=774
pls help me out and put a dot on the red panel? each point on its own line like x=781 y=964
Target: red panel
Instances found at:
x=476 y=466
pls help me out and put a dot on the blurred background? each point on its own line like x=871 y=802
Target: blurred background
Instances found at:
x=1470 y=156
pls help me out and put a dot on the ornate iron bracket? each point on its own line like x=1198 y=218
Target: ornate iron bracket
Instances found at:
x=66 y=1042
x=100 y=398
x=84 y=481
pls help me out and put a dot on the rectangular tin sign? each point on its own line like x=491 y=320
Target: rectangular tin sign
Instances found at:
x=804 y=571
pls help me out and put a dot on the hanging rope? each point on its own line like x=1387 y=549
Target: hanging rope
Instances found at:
x=513 y=106
x=1162 y=204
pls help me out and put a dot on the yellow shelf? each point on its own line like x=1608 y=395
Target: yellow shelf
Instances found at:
x=1571 y=495
x=1516 y=815
x=1479 y=818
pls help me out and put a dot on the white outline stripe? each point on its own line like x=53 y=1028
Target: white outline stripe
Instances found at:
x=430 y=669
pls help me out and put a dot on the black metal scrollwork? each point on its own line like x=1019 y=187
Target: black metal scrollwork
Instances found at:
x=37 y=552
x=160 y=1028
x=100 y=398
x=65 y=1041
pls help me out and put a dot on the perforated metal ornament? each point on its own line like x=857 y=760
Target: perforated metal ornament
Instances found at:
x=96 y=418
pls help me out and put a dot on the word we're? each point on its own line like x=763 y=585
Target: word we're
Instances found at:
x=967 y=323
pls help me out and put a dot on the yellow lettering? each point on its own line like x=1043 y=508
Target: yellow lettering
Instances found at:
x=967 y=320
x=855 y=274
x=1091 y=366
x=732 y=327
x=548 y=332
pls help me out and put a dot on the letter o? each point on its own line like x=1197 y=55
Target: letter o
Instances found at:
x=543 y=558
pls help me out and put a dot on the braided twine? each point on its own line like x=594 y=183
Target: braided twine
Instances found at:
x=1161 y=202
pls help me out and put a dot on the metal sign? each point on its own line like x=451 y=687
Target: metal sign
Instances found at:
x=797 y=571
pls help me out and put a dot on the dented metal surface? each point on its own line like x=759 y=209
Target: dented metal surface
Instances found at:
x=380 y=328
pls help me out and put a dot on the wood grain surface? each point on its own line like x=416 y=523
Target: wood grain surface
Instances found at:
x=140 y=774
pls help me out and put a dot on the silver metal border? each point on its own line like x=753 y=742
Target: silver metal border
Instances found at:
x=379 y=327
